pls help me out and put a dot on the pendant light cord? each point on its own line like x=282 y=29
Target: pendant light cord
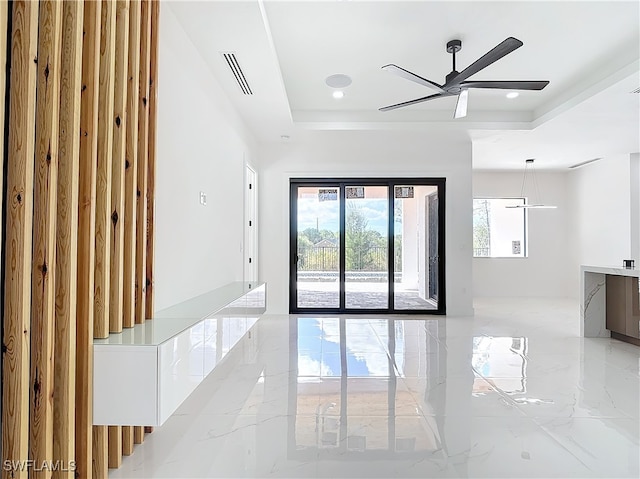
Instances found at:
x=536 y=188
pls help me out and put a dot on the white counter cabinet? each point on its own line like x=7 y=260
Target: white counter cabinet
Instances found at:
x=593 y=299
x=143 y=374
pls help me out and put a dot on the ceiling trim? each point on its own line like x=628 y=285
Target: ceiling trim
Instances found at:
x=584 y=90
x=274 y=54
x=417 y=119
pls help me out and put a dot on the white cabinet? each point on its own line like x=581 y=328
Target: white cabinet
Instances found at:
x=609 y=297
x=143 y=374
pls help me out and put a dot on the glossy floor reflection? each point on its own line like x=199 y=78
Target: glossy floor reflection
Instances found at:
x=512 y=392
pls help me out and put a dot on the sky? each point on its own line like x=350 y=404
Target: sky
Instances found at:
x=325 y=214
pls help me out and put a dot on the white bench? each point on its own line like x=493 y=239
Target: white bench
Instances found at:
x=143 y=374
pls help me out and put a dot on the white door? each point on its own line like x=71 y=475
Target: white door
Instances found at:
x=250 y=227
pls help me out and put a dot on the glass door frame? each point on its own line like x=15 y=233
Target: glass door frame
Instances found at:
x=340 y=184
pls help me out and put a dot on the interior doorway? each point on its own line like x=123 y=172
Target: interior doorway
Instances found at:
x=367 y=245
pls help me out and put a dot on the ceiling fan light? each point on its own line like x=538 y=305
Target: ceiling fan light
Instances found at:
x=532 y=206
x=461 y=106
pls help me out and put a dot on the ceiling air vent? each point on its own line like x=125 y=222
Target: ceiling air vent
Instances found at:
x=232 y=61
x=584 y=163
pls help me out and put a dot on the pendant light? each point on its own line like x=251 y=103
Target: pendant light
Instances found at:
x=529 y=170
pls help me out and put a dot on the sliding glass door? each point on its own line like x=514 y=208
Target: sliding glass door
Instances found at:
x=365 y=245
x=366 y=239
x=317 y=253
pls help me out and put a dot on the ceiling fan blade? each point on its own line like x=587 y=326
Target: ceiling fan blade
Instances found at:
x=412 y=102
x=461 y=105
x=401 y=72
x=506 y=85
x=493 y=55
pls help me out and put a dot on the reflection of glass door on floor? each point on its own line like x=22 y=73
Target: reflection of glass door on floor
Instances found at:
x=366 y=245
x=346 y=399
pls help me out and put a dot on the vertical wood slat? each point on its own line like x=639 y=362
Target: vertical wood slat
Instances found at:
x=119 y=125
x=44 y=228
x=131 y=435
x=116 y=231
x=19 y=222
x=86 y=239
x=127 y=440
x=100 y=452
x=143 y=151
x=67 y=239
x=103 y=206
x=138 y=434
x=103 y=172
x=4 y=17
x=131 y=167
x=151 y=166
x=4 y=25
x=115 y=446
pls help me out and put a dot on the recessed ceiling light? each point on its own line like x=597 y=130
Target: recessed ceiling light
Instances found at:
x=338 y=94
x=513 y=94
x=338 y=80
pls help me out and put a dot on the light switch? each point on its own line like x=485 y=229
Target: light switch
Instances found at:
x=203 y=198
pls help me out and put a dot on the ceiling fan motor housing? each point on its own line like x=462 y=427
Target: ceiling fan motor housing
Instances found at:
x=454 y=46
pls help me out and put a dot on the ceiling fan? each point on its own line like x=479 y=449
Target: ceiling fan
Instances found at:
x=455 y=83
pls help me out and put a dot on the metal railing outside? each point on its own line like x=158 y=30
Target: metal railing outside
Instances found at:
x=327 y=258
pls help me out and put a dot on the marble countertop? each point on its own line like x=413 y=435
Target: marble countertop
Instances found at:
x=614 y=270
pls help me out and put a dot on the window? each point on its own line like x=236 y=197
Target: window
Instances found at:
x=499 y=231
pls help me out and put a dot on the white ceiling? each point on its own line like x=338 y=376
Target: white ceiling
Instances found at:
x=589 y=51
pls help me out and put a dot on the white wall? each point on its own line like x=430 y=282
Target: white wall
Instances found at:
x=601 y=205
x=335 y=154
x=202 y=146
x=545 y=271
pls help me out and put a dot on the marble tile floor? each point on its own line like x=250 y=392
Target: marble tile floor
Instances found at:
x=512 y=392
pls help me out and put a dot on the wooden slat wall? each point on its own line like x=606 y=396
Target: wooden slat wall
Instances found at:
x=18 y=230
x=44 y=224
x=86 y=237
x=79 y=219
x=64 y=406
